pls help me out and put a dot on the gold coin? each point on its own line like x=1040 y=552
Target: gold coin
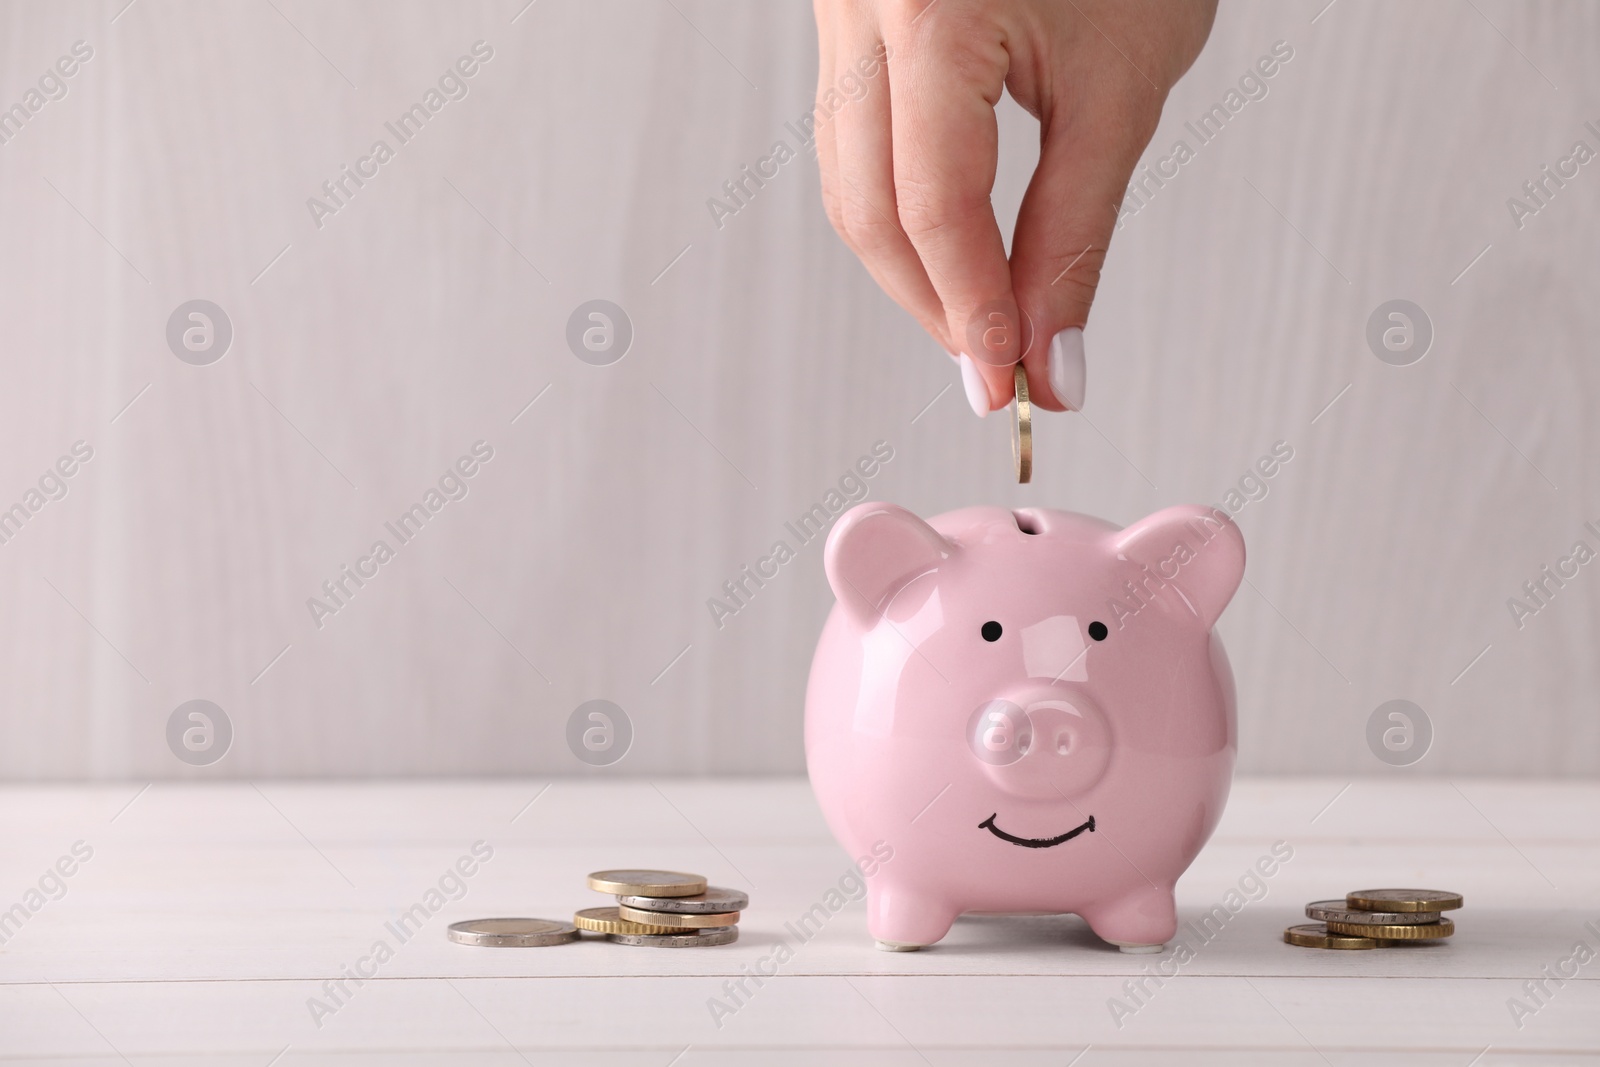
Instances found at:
x=1316 y=935
x=678 y=920
x=1022 y=428
x=607 y=921
x=1403 y=900
x=647 y=883
x=1416 y=932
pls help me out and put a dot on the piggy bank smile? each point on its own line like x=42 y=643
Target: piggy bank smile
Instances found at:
x=1040 y=668
x=1035 y=842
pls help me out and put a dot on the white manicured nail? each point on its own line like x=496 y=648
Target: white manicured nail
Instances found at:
x=1067 y=367
x=972 y=381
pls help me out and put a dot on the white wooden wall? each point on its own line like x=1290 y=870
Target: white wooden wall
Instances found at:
x=372 y=352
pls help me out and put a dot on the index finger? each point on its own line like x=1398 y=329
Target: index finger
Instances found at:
x=946 y=79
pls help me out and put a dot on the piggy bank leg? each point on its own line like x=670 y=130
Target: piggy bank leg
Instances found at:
x=904 y=922
x=1142 y=920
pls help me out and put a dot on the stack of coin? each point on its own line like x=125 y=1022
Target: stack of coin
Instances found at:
x=663 y=909
x=1377 y=918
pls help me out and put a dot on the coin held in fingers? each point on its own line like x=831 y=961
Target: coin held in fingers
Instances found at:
x=1022 y=427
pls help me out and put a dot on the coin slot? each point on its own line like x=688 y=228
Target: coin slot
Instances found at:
x=1027 y=523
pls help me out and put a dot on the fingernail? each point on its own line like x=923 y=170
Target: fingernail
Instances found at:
x=972 y=381
x=1067 y=367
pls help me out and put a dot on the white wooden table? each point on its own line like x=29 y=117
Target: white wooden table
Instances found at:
x=210 y=916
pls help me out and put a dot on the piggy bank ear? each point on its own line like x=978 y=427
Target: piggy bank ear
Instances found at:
x=873 y=551
x=1198 y=549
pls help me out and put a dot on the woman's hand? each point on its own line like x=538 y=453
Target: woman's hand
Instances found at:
x=908 y=164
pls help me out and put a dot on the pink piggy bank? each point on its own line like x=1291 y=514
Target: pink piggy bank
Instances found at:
x=1029 y=708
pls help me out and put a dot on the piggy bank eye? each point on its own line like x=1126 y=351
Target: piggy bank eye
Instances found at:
x=1098 y=631
x=991 y=631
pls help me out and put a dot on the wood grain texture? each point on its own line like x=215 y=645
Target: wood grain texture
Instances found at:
x=429 y=311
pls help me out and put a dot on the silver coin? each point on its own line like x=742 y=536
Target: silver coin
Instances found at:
x=716 y=935
x=1339 y=912
x=512 y=933
x=713 y=900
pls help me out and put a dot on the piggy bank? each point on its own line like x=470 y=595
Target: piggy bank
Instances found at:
x=1026 y=711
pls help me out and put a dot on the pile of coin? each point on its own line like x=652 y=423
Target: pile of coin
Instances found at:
x=1377 y=918
x=663 y=909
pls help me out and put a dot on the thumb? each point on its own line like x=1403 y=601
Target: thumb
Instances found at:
x=1065 y=224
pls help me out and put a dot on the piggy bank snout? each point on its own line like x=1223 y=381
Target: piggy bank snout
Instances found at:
x=1042 y=745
